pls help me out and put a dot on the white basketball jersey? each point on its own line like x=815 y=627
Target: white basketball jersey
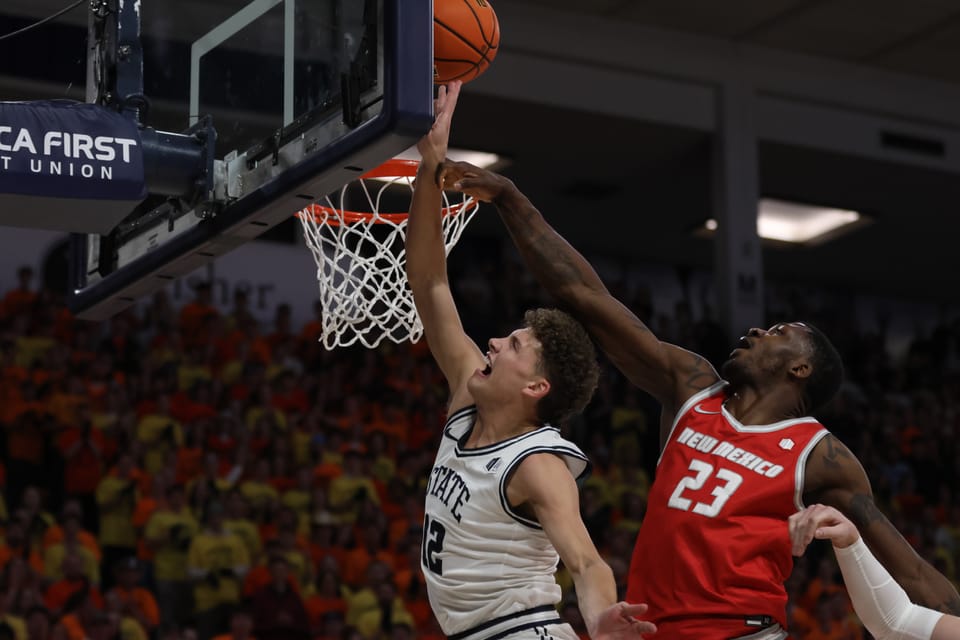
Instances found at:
x=489 y=571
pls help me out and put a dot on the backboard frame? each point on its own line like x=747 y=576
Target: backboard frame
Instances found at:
x=302 y=167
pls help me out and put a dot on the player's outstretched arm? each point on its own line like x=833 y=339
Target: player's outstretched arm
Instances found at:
x=543 y=482
x=455 y=353
x=667 y=372
x=834 y=477
x=881 y=603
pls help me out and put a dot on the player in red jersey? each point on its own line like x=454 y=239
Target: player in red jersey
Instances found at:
x=739 y=452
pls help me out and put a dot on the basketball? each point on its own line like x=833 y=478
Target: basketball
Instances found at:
x=466 y=35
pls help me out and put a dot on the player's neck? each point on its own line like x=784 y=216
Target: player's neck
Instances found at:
x=762 y=406
x=496 y=425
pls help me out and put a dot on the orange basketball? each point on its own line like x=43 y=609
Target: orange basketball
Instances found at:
x=466 y=35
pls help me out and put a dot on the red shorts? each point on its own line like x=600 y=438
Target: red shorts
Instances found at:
x=715 y=629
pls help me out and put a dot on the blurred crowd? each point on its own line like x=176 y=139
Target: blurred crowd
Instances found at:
x=193 y=473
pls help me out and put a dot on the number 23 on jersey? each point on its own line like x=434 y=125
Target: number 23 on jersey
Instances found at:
x=725 y=483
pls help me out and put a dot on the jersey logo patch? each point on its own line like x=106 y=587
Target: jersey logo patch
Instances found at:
x=698 y=409
x=492 y=465
x=787 y=444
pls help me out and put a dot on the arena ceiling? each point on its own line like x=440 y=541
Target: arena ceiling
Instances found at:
x=635 y=188
x=920 y=37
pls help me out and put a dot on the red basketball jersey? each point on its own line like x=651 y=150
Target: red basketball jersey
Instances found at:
x=714 y=547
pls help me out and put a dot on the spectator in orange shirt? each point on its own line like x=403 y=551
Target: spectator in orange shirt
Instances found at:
x=23 y=297
x=370 y=548
x=16 y=545
x=25 y=446
x=137 y=602
x=82 y=447
x=74 y=584
x=281 y=326
x=289 y=396
x=833 y=620
x=324 y=540
x=278 y=611
x=824 y=582
x=241 y=626
x=190 y=455
x=328 y=597
x=194 y=315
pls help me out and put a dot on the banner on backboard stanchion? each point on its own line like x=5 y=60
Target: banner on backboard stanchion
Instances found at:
x=68 y=166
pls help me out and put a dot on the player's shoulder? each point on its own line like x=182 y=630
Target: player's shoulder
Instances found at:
x=832 y=464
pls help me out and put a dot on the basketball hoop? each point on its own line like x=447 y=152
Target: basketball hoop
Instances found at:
x=361 y=260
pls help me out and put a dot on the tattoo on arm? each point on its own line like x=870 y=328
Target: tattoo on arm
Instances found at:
x=699 y=374
x=836 y=454
x=863 y=511
x=635 y=321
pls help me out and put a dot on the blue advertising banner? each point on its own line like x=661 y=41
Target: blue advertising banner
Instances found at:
x=68 y=166
x=66 y=149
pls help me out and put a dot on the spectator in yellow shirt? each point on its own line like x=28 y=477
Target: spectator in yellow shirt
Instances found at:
x=258 y=490
x=160 y=433
x=117 y=496
x=238 y=522
x=54 y=554
x=169 y=532
x=300 y=498
x=16 y=624
x=354 y=486
x=217 y=562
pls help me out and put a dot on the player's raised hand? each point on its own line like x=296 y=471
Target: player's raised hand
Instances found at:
x=620 y=621
x=823 y=523
x=483 y=185
x=433 y=146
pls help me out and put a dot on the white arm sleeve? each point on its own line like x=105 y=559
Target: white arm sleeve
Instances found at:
x=881 y=603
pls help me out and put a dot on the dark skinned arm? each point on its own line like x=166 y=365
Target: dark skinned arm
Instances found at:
x=667 y=372
x=836 y=478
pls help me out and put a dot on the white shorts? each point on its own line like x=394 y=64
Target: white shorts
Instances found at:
x=549 y=632
x=773 y=632
x=538 y=623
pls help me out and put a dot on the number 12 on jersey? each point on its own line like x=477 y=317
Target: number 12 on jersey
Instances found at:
x=432 y=544
x=727 y=483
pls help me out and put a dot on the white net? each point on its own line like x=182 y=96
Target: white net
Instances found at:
x=361 y=261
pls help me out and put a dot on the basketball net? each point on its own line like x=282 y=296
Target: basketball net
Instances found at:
x=361 y=260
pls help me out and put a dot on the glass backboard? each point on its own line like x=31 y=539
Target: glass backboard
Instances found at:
x=295 y=97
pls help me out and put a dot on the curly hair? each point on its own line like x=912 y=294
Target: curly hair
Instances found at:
x=567 y=359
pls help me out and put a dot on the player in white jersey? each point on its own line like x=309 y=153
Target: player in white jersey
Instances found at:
x=502 y=504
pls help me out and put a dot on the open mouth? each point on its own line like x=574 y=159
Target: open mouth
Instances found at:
x=743 y=343
x=486 y=370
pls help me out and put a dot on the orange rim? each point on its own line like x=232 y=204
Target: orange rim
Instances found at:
x=394 y=168
x=333 y=217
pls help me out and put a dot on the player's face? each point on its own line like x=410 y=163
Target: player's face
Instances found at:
x=511 y=362
x=766 y=352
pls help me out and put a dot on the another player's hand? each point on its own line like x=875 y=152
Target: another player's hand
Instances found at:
x=433 y=146
x=483 y=185
x=620 y=621
x=823 y=523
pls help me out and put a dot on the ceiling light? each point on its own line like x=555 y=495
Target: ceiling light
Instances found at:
x=797 y=223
